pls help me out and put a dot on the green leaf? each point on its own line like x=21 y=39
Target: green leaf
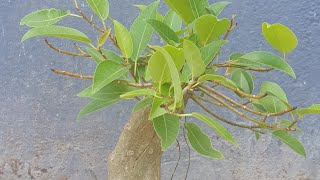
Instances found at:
x=156 y=109
x=95 y=55
x=106 y=72
x=104 y=37
x=177 y=55
x=111 y=91
x=314 y=109
x=216 y=78
x=100 y=7
x=222 y=131
x=243 y=80
x=112 y=56
x=124 y=39
x=188 y=10
x=136 y=93
x=267 y=59
x=209 y=51
x=200 y=142
x=291 y=141
x=280 y=37
x=57 y=31
x=235 y=55
x=143 y=7
x=96 y=105
x=218 y=7
x=173 y=20
x=44 y=17
x=209 y=28
x=274 y=89
x=158 y=68
x=273 y=104
x=141 y=31
x=193 y=58
x=167 y=127
x=143 y=104
x=165 y=32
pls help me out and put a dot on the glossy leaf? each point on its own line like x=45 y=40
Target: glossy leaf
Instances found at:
x=217 y=79
x=173 y=20
x=44 y=17
x=314 y=109
x=141 y=31
x=267 y=59
x=100 y=7
x=218 y=7
x=140 y=92
x=193 y=58
x=188 y=10
x=106 y=72
x=164 y=31
x=243 y=80
x=111 y=91
x=104 y=37
x=143 y=104
x=209 y=28
x=274 y=89
x=124 y=39
x=280 y=37
x=57 y=31
x=200 y=142
x=167 y=127
x=209 y=51
x=222 y=131
x=95 y=105
x=291 y=141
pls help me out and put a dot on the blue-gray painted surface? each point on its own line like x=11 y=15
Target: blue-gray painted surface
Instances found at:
x=39 y=135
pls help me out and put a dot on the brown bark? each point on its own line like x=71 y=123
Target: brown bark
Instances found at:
x=137 y=154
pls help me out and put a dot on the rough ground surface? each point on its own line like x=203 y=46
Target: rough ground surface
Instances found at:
x=40 y=139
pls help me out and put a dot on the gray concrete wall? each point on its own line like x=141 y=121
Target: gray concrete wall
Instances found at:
x=39 y=135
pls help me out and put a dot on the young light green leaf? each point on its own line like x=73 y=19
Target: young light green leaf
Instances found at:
x=188 y=10
x=111 y=91
x=193 y=58
x=291 y=141
x=141 y=31
x=57 y=31
x=124 y=39
x=209 y=28
x=164 y=31
x=314 y=109
x=216 y=78
x=209 y=51
x=139 y=92
x=280 y=37
x=243 y=80
x=167 y=127
x=106 y=72
x=143 y=104
x=173 y=20
x=177 y=55
x=266 y=59
x=274 y=89
x=158 y=68
x=44 y=17
x=200 y=142
x=222 y=131
x=218 y=7
x=100 y=7
x=104 y=37
x=96 y=105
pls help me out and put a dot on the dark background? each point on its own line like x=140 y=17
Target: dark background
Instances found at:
x=39 y=135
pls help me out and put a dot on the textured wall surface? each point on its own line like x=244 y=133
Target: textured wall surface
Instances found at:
x=39 y=135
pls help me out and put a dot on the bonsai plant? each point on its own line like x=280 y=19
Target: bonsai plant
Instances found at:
x=163 y=79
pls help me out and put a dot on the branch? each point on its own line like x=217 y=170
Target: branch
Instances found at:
x=243 y=67
x=235 y=110
x=65 y=52
x=220 y=118
x=232 y=26
x=65 y=73
x=246 y=108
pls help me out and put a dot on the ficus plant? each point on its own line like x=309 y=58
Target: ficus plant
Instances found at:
x=164 y=78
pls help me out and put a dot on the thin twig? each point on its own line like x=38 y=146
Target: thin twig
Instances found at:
x=65 y=73
x=232 y=26
x=65 y=52
x=179 y=156
x=243 y=67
